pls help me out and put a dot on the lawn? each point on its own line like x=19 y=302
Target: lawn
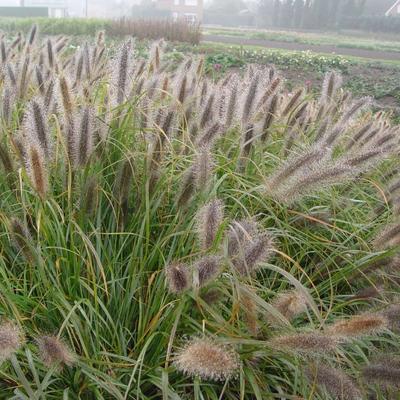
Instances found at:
x=178 y=224
x=367 y=41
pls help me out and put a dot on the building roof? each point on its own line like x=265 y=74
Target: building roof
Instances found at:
x=396 y=4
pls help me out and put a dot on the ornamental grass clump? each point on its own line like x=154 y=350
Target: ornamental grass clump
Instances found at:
x=145 y=201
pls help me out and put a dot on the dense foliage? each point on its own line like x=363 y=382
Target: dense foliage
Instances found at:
x=139 y=28
x=165 y=235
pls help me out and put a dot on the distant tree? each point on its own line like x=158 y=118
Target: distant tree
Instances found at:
x=307 y=14
x=277 y=13
x=298 y=13
x=286 y=17
x=353 y=8
x=265 y=9
x=333 y=10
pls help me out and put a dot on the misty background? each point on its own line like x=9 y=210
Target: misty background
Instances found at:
x=370 y=15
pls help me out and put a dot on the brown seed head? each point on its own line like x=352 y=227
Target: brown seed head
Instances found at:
x=11 y=339
x=206 y=359
x=54 y=351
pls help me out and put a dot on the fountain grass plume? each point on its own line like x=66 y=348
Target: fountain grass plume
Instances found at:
x=36 y=126
x=22 y=239
x=332 y=83
x=358 y=325
x=292 y=102
x=270 y=115
x=50 y=53
x=240 y=233
x=203 y=168
x=209 y=136
x=388 y=237
x=207 y=114
x=209 y=220
x=207 y=269
x=11 y=339
x=90 y=196
x=85 y=140
x=208 y=360
x=250 y=99
x=36 y=167
x=309 y=343
x=6 y=160
x=334 y=381
x=290 y=304
x=385 y=370
x=178 y=277
x=24 y=76
x=257 y=251
x=121 y=70
x=54 y=352
x=293 y=165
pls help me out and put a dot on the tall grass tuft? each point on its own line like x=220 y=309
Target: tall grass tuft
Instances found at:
x=146 y=200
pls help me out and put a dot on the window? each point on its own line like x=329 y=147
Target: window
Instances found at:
x=190 y=2
x=176 y=2
x=191 y=17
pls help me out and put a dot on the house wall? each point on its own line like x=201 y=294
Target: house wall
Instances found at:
x=183 y=8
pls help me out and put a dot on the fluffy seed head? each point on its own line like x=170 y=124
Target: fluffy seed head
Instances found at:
x=259 y=250
x=305 y=343
x=337 y=383
x=54 y=351
x=66 y=97
x=207 y=113
x=187 y=187
x=36 y=168
x=388 y=237
x=21 y=238
x=11 y=339
x=240 y=233
x=208 y=269
x=122 y=70
x=359 y=325
x=332 y=83
x=85 y=137
x=206 y=359
x=177 y=277
x=392 y=314
x=90 y=196
x=385 y=371
x=202 y=168
x=290 y=304
x=37 y=121
x=209 y=220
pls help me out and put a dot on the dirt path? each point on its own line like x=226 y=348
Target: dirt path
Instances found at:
x=272 y=44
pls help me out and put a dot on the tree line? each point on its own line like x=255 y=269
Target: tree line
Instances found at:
x=308 y=14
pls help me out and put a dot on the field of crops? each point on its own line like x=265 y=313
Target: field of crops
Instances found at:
x=171 y=232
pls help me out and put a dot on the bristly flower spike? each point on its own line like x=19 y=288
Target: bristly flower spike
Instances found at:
x=54 y=351
x=11 y=339
x=204 y=358
x=178 y=279
x=209 y=220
